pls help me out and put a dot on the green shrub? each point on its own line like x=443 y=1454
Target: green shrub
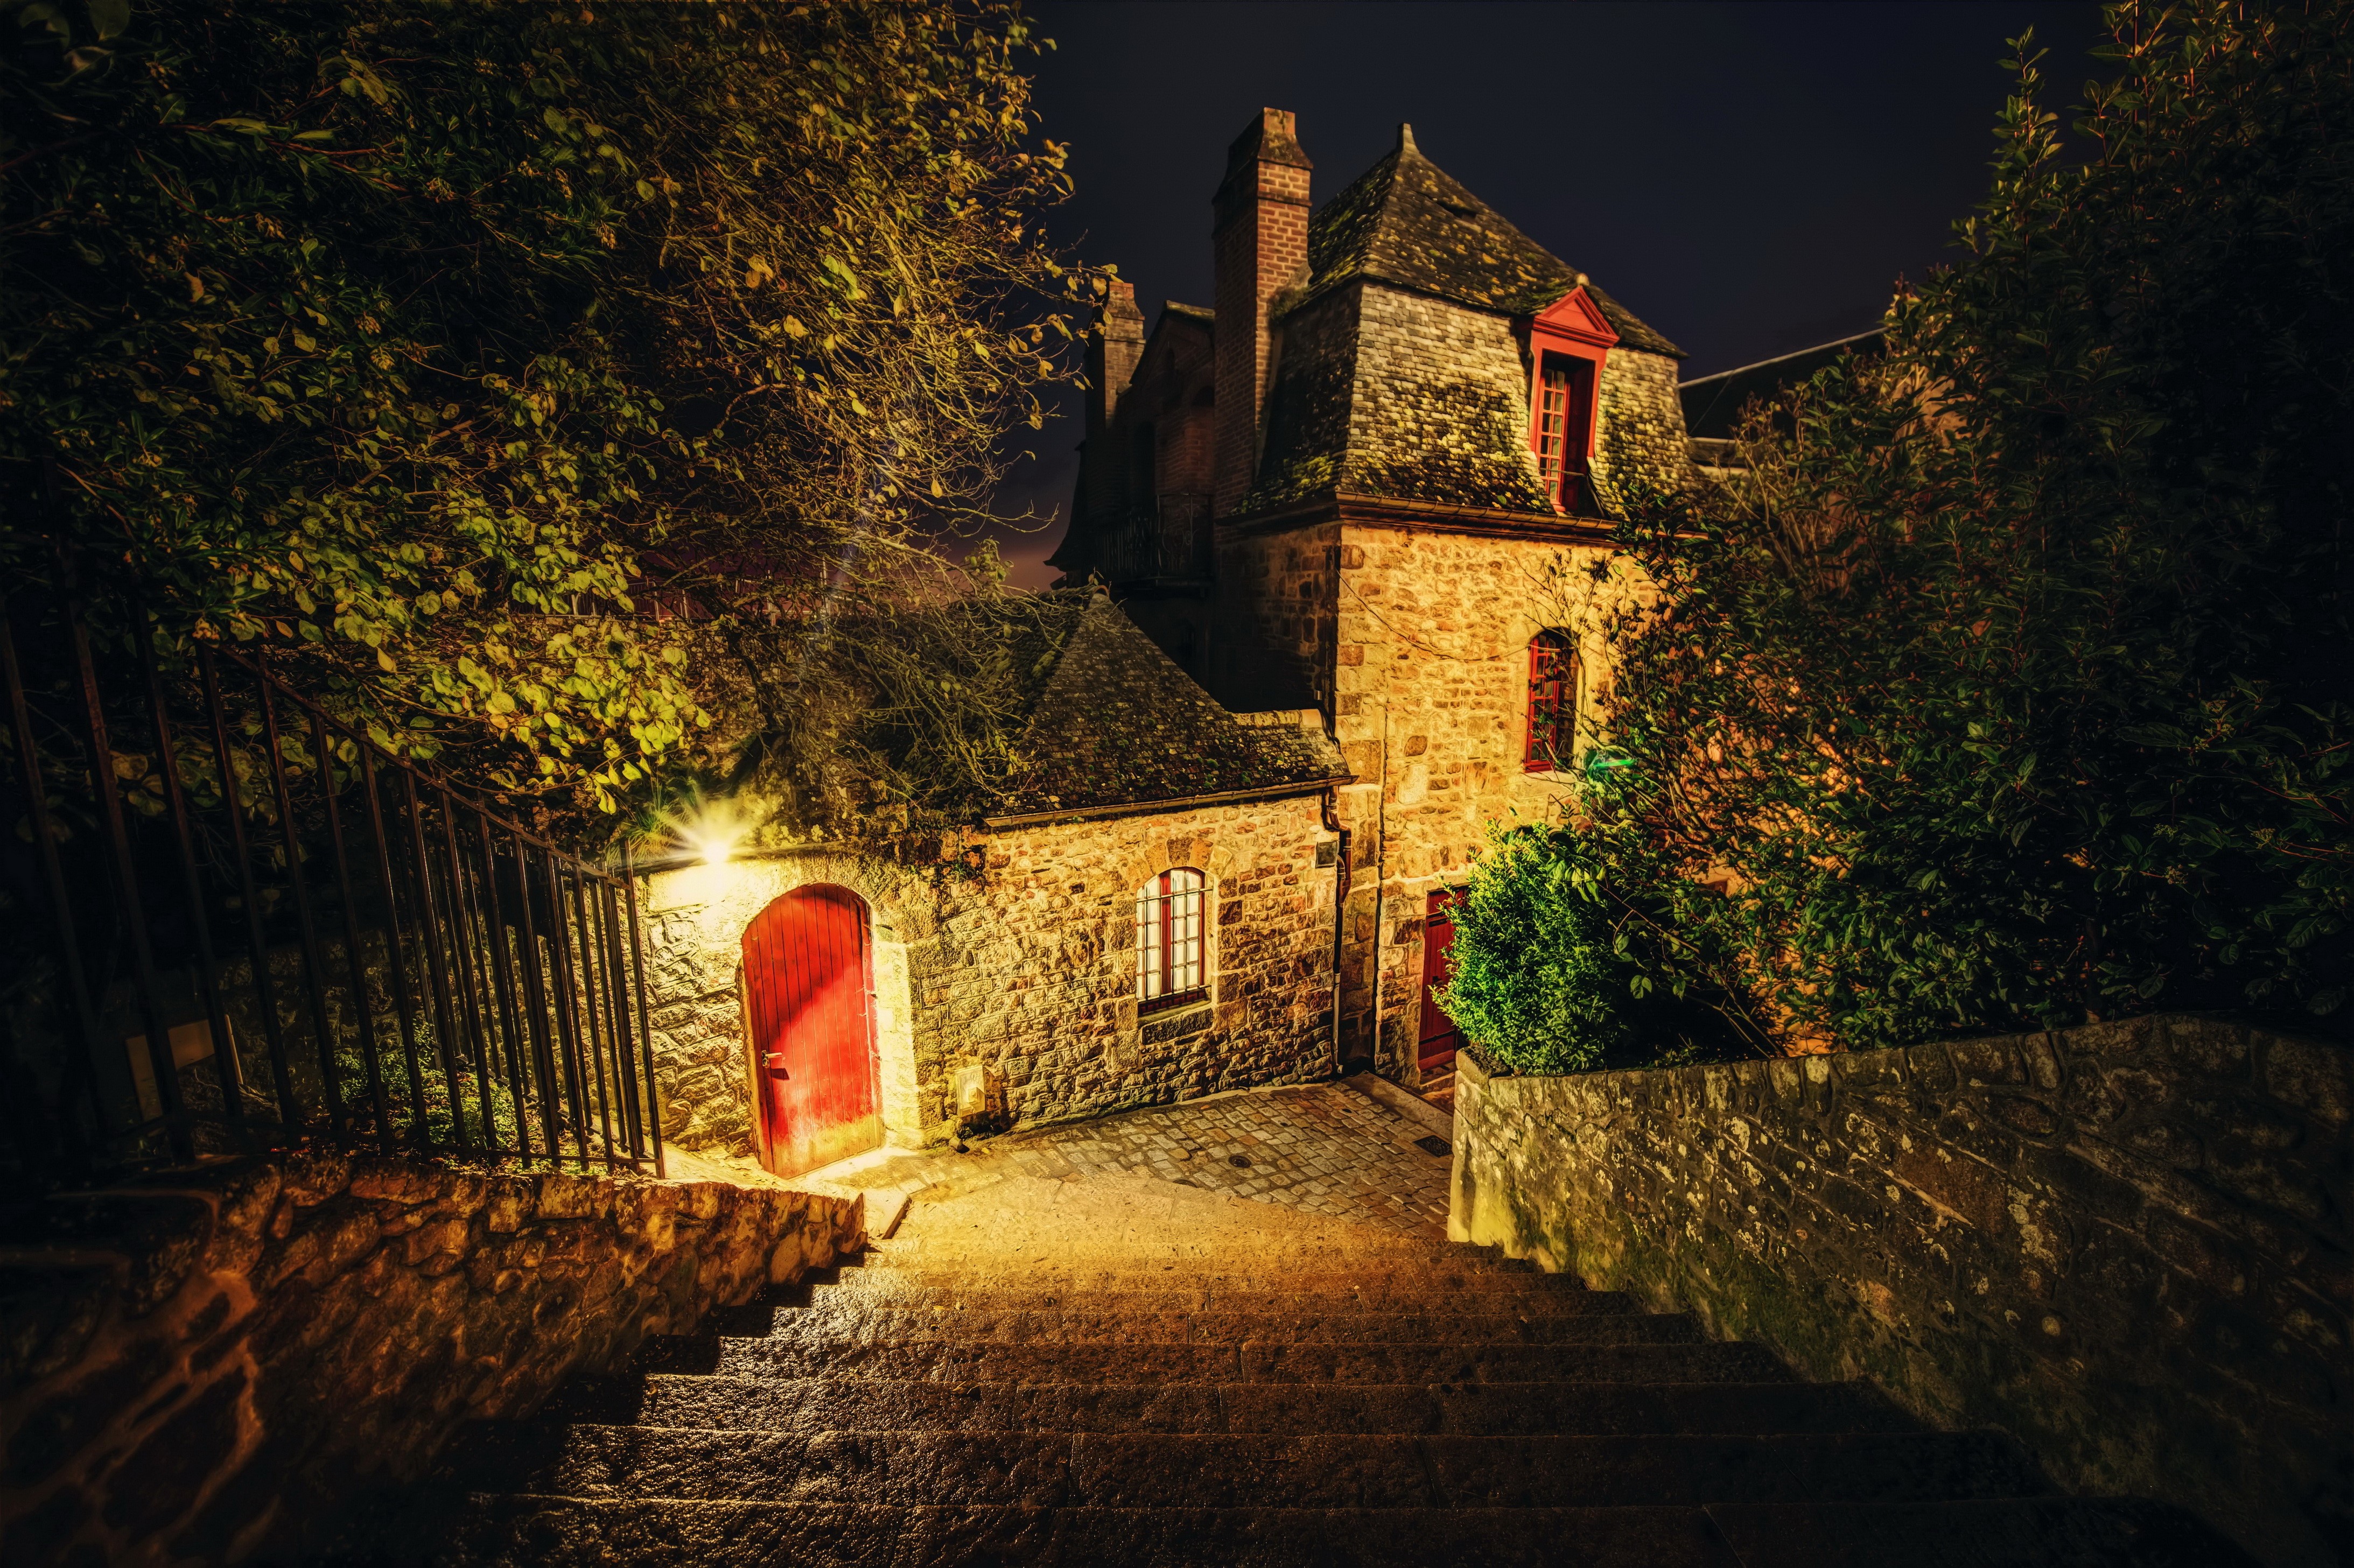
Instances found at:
x=1553 y=970
x=1535 y=980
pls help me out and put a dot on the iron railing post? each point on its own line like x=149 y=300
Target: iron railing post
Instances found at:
x=396 y=949
x=257 y=936
x=132 y=910
x=645 y=1028
x=437 y=965
x=354 y=957
x=502 y=987
x=167 y=758
x=79 y=1071
x=307 y=931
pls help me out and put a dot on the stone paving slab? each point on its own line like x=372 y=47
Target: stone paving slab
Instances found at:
x=1323 y=1149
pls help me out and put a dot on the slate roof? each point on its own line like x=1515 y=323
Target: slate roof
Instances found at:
x=1713 y=404
x=1118 y=723
x=1407 y=221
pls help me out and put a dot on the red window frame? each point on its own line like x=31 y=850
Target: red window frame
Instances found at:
x=1172 y=940
x=1569 y=343
x=1551 y=736
x=1564 y=431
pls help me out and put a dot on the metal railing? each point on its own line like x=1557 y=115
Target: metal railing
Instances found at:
x=238 y=923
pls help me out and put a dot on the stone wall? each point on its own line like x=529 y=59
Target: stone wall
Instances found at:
x=1432 y=694
x=1020 y=958
x=209 y=1365
x=2127 y=1245
x=1272 y=642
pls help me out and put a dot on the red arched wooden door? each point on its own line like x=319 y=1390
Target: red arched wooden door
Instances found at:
x=809 y=1004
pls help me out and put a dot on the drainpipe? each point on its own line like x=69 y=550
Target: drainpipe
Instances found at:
x=1330 y=801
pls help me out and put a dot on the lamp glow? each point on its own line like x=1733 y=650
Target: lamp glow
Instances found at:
x=713 y=834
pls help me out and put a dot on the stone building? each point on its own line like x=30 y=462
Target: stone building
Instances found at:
x=1149 y=916
x=1376 y=482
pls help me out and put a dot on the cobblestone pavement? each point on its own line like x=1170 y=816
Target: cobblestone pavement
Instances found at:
x=1323 y=1149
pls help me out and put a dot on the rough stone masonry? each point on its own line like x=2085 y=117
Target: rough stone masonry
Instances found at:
x=209 y=1366
x=2127 y=1245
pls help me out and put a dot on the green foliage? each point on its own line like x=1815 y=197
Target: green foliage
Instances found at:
x=901 y=720
x=2011 y=689
x=1548 y=970
x=1535 y=978
x=425 y=346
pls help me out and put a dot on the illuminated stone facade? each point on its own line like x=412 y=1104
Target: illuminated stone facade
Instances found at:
x=1399 y=544
x=1016 y=954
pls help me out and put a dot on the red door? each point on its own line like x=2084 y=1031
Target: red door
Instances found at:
x=808 y=1003
x=1439 y=1036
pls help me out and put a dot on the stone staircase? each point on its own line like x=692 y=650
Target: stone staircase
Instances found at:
x=1303 y=1400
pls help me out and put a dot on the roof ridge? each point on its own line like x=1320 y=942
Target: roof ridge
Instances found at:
x=1474 y=255
x=1118 y=721
x=1777 y=359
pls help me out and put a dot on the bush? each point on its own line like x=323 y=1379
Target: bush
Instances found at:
x=1534 y=977
x=1549 y=970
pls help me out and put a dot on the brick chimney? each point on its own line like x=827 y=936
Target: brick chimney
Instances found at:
x=1113 y=349
x=1260 y=243
x=1114 y=346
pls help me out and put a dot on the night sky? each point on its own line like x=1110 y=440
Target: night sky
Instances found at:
x=1747 y=178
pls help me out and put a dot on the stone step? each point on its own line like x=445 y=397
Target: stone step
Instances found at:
x=955 y=1361
x=2025 y=1533
x=1402 y=1296
x=526 y=1531
x=530 y=1531
x=888 y=1325
x=1537 y=1409
x=1242 y=1470
x=1278 y=1256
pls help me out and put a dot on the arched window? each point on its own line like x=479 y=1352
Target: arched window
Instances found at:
x=1172 y=941
x=1552 y=702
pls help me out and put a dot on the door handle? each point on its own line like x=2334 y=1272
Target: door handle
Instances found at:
x=776 y=1063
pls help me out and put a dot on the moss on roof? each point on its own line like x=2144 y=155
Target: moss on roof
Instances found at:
x=1119 y=723
x=1406 y=221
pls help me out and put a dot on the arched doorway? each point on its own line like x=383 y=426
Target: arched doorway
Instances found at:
x=808 y=1015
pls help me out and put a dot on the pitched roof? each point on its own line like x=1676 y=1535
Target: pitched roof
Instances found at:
x=1407 y=221
x=1118 y=723
x=1713 y=404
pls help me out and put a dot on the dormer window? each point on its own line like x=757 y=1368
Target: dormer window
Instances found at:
x=1565 y=430
x=1569 y=343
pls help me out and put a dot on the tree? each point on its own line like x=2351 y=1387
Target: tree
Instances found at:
x=2010 y=691
x=425 y=349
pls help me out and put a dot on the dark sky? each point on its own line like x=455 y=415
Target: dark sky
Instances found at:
x=1747 y=178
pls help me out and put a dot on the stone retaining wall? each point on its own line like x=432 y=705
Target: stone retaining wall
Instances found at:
x=2127 y=1245
x=209 y=1365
